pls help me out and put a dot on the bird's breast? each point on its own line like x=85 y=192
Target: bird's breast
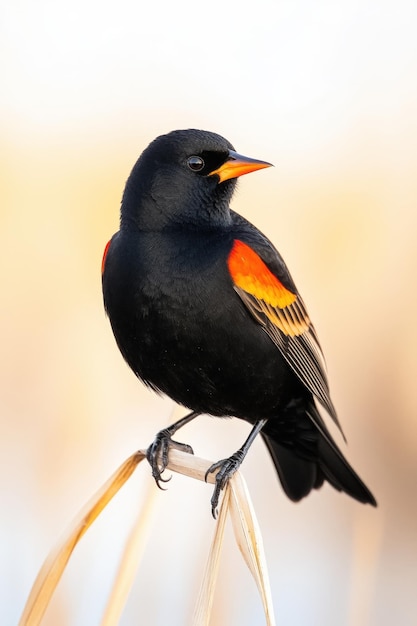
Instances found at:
x=166 y=293
x=183 y=329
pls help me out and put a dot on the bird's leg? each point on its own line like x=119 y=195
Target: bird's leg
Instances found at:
x=227 y=467
x=157 y=453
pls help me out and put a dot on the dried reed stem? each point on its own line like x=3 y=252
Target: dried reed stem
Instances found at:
x=235 y=501
x=54 y=566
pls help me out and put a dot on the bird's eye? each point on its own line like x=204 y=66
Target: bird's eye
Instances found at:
x=195 y=163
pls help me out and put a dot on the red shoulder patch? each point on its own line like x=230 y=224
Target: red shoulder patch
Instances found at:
x=250 y=273
x=103 y=262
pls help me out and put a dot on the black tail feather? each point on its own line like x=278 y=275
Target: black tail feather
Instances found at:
x=299 y=473
x=298 y=476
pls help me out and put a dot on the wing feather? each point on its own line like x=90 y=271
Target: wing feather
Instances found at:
x=283 y=316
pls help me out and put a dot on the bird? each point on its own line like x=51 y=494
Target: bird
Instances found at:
x=205 y=311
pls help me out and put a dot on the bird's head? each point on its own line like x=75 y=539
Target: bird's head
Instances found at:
x=184 y=178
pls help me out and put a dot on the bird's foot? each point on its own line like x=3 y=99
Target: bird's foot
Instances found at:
x=226 y=468
x=158 y=454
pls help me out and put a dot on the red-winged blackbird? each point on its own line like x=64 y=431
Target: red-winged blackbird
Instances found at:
x=203 y=309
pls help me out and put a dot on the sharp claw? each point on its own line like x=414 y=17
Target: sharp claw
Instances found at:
x=213 y=468
x=159 y=479
x=158 y=455
x=215 y=501
x=164 y=480
x=226 y=468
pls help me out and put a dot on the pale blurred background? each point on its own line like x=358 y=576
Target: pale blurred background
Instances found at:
x=327 y=91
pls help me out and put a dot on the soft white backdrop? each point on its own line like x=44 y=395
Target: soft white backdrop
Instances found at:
x=327 y=92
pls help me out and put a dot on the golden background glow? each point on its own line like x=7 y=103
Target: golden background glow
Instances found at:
x=327 y=92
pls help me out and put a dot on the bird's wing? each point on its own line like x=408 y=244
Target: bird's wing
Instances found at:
x=264 y=285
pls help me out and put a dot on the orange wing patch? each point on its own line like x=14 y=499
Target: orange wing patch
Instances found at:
x=103 y=262
x=263 y=293
x=251 y=274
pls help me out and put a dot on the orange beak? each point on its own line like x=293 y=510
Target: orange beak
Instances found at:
x=237 y=165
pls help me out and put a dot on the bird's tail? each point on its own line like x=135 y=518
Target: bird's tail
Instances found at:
x=299 y=472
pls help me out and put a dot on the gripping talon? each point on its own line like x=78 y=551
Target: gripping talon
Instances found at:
x=226 y=468
x=215 y=501
x=158 y=452
x=159 y=479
